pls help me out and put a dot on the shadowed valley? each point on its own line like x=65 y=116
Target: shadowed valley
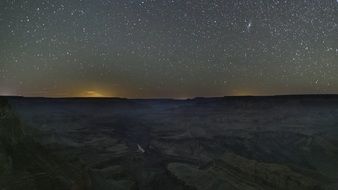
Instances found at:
x=254 y=143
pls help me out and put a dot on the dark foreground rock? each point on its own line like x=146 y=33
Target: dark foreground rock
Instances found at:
x=236 y=173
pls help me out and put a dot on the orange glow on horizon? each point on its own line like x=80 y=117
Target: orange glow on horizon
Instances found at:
x=243 y=93
x=92 y=94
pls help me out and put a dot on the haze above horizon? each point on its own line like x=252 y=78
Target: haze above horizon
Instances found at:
x=168 y=48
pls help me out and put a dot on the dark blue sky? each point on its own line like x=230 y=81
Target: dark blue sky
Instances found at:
x=168 y=48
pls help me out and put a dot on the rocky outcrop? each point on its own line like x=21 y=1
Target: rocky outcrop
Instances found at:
x=24 y=164
x=235 y=173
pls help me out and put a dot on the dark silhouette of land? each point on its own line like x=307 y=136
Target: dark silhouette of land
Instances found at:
x=266 y=142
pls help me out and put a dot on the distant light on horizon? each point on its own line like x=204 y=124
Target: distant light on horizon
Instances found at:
x=93 y=94
x=162 y=48
x=7 y=93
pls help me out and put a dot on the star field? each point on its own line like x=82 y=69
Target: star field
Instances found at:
x=168 y=48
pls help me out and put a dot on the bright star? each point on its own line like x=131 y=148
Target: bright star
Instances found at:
x=249 y=25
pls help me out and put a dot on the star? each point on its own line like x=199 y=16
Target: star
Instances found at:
x=168 y=48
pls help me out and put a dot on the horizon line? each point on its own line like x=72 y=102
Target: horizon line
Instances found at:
x=165 y=98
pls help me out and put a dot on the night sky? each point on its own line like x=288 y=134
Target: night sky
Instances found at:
x=168 y=48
